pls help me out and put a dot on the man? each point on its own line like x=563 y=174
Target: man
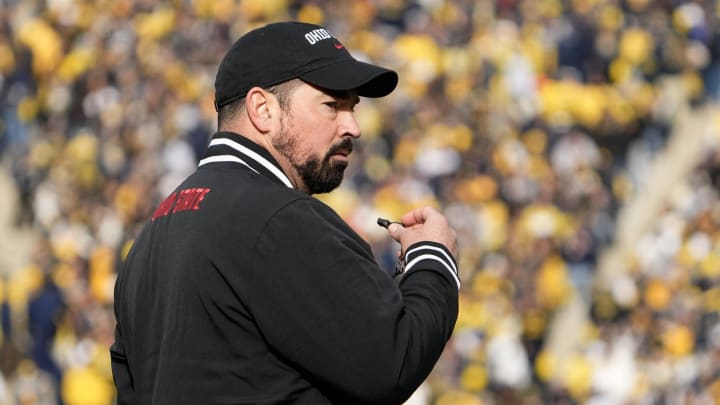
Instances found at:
x=244 y=289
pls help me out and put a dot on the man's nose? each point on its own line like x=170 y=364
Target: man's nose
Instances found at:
x=349 y=125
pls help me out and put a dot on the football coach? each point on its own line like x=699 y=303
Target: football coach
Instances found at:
x=242 y=288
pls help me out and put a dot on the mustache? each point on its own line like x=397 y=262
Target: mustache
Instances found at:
x=345 y=146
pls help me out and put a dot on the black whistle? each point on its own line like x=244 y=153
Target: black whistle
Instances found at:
x=386 y=222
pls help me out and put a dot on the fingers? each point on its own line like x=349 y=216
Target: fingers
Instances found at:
x=423 y=224
x=419 y=216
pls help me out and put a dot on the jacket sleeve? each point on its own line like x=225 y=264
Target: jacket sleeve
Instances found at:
x=121 y=370
x=324 y=305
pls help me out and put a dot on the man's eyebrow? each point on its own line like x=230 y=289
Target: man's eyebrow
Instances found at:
x=343 y=95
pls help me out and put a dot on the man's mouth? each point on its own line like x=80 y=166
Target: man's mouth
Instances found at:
x=344 y=149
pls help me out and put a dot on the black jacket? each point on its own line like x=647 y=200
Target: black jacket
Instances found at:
x=241 y=289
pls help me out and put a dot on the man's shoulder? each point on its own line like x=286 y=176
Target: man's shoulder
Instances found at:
x=237 y=185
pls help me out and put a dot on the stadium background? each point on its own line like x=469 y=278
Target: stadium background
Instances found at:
x=575 y=144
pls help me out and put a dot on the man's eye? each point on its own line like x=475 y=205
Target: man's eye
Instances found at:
x=340 y=106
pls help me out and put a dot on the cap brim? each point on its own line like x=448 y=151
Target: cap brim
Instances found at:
x=369 y=80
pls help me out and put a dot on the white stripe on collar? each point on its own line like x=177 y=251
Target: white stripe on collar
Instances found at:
x=225 y=158
x=255 y=156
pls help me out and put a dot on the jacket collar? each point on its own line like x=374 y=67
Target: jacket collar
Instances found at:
x=230 y=147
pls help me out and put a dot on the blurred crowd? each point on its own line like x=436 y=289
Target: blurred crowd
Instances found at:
x=532 y=124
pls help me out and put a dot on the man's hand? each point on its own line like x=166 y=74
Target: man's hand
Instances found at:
x=424 y=224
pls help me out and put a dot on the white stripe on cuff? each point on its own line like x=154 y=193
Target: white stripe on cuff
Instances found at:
x=450 y=260
x=408 y=266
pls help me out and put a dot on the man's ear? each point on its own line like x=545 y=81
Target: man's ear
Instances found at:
x=260 y=107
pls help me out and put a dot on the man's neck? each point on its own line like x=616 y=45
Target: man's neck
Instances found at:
x=264 y=142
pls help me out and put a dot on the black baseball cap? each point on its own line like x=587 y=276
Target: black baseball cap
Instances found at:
x=282 y=51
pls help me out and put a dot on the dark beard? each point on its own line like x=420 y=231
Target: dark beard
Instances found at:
x=319 y=175
x=322 y=176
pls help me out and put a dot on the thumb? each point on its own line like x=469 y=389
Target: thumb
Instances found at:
x=395 y=230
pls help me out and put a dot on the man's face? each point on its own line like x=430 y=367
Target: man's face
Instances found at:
x=316 y=136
